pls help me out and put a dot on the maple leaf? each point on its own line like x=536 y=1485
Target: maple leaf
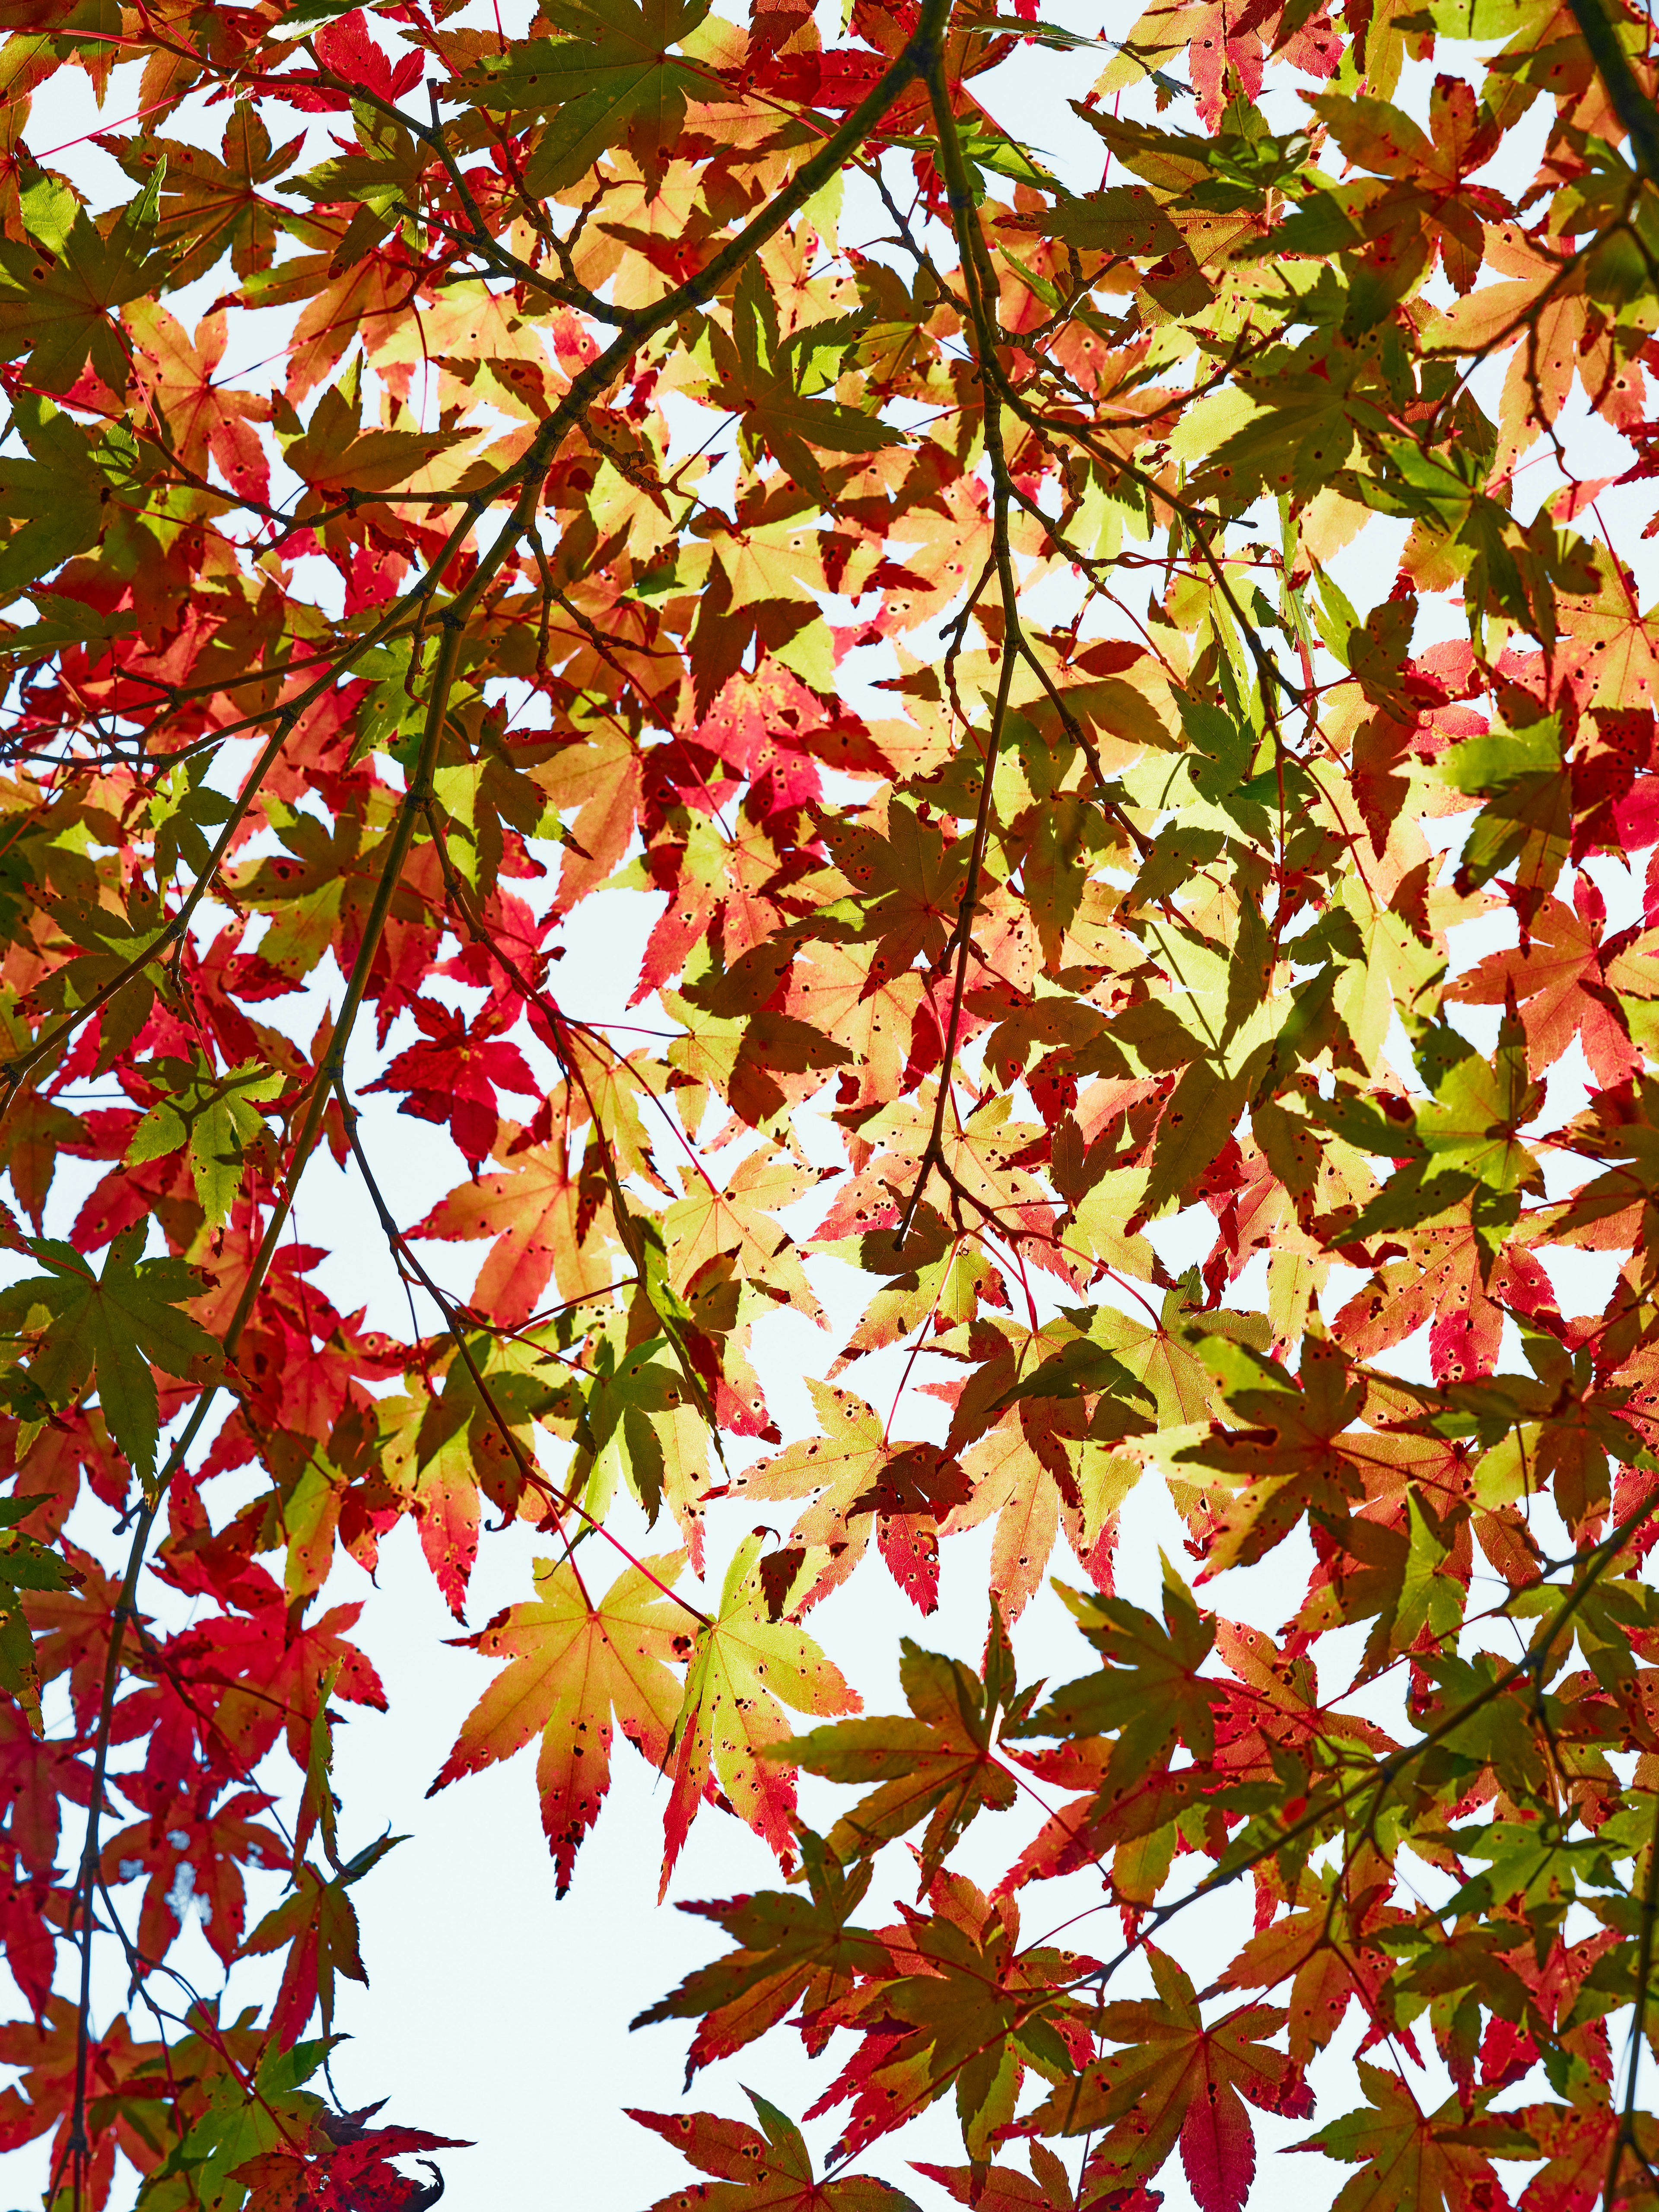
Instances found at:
x=252 y=1680
x=1433 y=167
x=28 y=1939
x=1045 y=1460
x=37 y=1777
x=109 y=1327
x=1560 y=979
x=1575 y=2141
x=1525 y=822
x=573 y=1665
x=203 y=421
x=1149 y=1693
x=765 y=376
x=745 y=1664
x=24 y=1566
x=1608 y=643
x=935 y=1278
x=908 y=882
x=755 y=2169
x=1453 y=1285
x=958 y=2007
x=48 y=2051
x=864 y=1484
x=1317 y=415
x=1328 y=1952
x=534 y=1211
x=1122 y=221
x=35 y=1130
x=1378 y=651
x=55 y=497
x=790 y=1949
x=333 y=451
x=454 y=1076
x=316 y=1925
x=606 y=78
x=1020 y=1473
x=308 y=888
x=708 y=1221
x=215 y=1116
x=345 y=47
x=351 y=2175
x=1466 y=1144
x=189 y=1850
x=1179 y=2082
x=211 y=201
x=1292 y=1449
x=56 y=301
x=1440 y=2162
x=665 y=1440
x=938 y=1763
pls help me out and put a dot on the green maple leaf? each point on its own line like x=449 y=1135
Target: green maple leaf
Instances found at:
x=24 y=1566
x=772 y=382
x=1297 y=444
x=212 y=201
x=1289 y=1447
x=59 y=310
x=317 y=1924
x=305 y=889
x=938 y=1762
x=1148 y=1693
x=906 y=884
x=745 y=1666
x=54 y=498
x=1525 y=818
x=383 y=176
x=1479 y=1107
x=1531 y=1860
x=1466 y=1139
x=109 y=1328
x=1416 y=2161
x=1489 y=1721
x=184 y=811
x=790 y=1947
x=618 y=1415
x=609 y=78
x=234 y=2115
x=218 y=1116
x=1123 y=220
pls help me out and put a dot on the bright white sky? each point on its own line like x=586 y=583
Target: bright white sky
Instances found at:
x=494 y=2013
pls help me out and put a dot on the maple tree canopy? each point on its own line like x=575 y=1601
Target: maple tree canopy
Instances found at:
x=715 y=459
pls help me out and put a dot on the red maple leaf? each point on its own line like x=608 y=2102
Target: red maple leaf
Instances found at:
x=189 y=1850
x=453 y=1077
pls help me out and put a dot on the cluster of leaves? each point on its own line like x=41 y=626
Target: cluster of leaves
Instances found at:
x=1136 y=917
